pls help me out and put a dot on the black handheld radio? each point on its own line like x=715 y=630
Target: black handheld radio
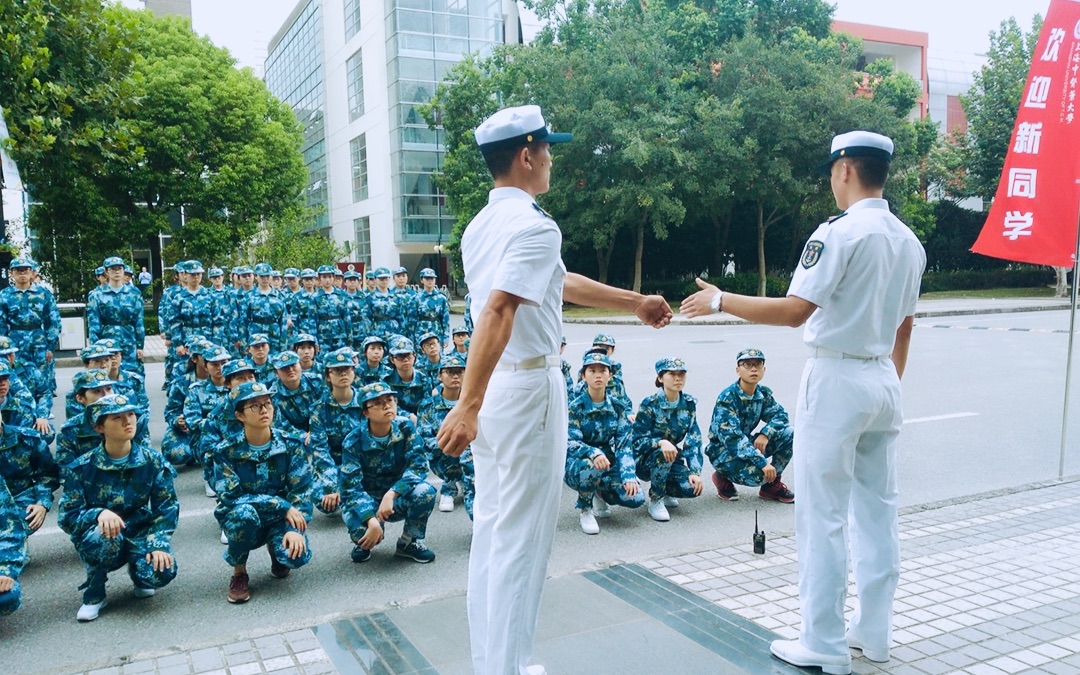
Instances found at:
x=759 y=537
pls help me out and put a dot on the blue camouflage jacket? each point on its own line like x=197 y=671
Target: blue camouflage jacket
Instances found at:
x=266 y=313
x=190 y=316
x=12 y=541
x=674 y=421
x=372 y=466
x=331 y=422
x=294 y=407
x=433 y=411
x=78 y=437
x=735 y=416
x=432 y=314
x=271 y=480
x=116 y=313
x=335 y=325
x=140 y=491
x=410 y=394
x=220 y=307
x=600 y=429
x=27 y=465
x=31 y=319
x=388 y=314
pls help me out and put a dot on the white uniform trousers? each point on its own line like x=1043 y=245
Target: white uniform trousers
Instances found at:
x=846 y=426
x=519 y=454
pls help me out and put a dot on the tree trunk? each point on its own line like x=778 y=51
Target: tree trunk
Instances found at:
x=639 y=251
x=761 y=248
x=603 y=260
x=1062 y=287
x=721 y=230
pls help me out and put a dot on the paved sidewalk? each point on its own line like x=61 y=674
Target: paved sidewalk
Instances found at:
x=989 y=584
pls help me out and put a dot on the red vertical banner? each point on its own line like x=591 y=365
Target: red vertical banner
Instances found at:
x=1033 y=218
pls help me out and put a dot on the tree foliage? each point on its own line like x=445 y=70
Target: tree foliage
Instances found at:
x=290 y=241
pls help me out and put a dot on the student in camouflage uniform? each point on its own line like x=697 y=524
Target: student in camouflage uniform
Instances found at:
x=128 y=383
x=665 y=421
x=202 y=399
x=119 y=507
x=296 y=394
x=339 y=411
x=100 y=276
x=429 y=361
x=382 y=479
x=241 y=296
x=567 y=371
x=306 y=347
x=369 y=282
x=468 y=313
x=599 y=461
x=303 y=309
x=275 y=281
x=431 y=309
x=220 y=308
x=78 y=436
x=738 y=453
x=264 y=491
x=292 y=283
x=373 y=368
x=176 y=444
x=332 y=308
x=116 y=311
x=457 y=473
x=165 y=312
x=31 y=474
x=359 y=310
x=23 y=391
x=266 y=312
x=605 y=344
x=387 y=312
x=18 y=410
x=459 y=337
x=12 y=552
x=258 y=354
x=190 y=313
x=410 y=385
x=30 y=317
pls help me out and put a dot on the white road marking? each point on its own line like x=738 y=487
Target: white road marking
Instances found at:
x=46 y=531
x=938 y=418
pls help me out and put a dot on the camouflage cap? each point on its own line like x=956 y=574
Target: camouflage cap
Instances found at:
x=352 y=274
x=244 y=269
x=370 y=392
x=308 y=273
x=21 y=262
x=195 y=267
x=275 y=274
x=111 y=345
x=381 y=272
x=128 y=271
x=215 y=353
x=338 y=272
x=451 y=361
x=427 y=336
x=670 y=364
x=95 y=351
x=747 y=354
x=400 y=270
x=596 y=360
x=246 y=392
x=401 y=346
x=215 y=272
x=91 y=379
x=258 y=339
x=428 y=273
x=339 y=358
x=604 y=339
x=372 y=340
x=370 y=274
x=7 y=346
x=263 y=269
x=326 y=269
x=285 y=359
x=5 y=368
x=113 y=404
x=113 y=261
x=291 y=272
x=460 y=330
x=237 y=366
x=304 y=337
x=99 y=271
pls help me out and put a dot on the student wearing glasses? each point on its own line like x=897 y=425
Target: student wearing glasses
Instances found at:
x=382 y=473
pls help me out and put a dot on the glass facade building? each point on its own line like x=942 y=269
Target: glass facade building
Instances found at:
x=294 y=73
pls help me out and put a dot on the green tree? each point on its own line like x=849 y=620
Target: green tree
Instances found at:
x=994 y=101
x=289 y=240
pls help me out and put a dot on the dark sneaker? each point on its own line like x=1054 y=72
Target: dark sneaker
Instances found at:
x=725 y=488
x=238 y=589
x=360 y=555
x=277 y=570
x=415 y=550
x=777 y=492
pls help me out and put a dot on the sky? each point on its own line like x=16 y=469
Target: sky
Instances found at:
x=956 y=27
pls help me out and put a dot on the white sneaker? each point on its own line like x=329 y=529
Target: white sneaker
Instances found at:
x=600 y=508
x=796 y=654
x=210 y=491
x=224 y=539
x=588 y=522
x=658 y=512
x=671 y=502
x=143 y=592
x=90 y=612
x=446 y=503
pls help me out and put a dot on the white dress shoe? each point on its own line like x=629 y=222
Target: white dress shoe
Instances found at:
x=535 y=669
x=875 y=655
x=796 y=654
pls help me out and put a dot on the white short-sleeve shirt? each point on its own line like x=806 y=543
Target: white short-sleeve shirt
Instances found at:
x=514 y=247
x=863 y=271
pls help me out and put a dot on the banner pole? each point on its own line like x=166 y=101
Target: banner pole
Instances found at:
x=1068 y=360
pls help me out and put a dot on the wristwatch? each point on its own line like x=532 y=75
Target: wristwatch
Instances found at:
x=717 y=300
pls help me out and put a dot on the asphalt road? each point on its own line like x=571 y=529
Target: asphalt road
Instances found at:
x=983 y=404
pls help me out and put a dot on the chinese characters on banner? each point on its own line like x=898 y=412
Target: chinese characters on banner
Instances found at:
x=1034 y=215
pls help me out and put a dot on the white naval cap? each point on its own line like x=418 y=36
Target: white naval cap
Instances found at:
x=515 y=126
x=859 y=144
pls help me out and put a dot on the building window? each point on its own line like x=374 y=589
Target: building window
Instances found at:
x=354 y=72
x=352 y=18
x=362 y=253
x=358 y=148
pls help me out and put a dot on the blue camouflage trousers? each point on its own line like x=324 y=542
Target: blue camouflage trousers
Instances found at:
x=23 y=500
x=582 y=476
x=176 y=446
x=745 y=472
x=102 y=555
x=246 y=531
x=453 y=470
x=11 y=600
x=666 y=479
x=414 y=508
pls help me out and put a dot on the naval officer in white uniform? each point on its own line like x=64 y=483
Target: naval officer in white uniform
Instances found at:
x=855 y=290
x=513 y=400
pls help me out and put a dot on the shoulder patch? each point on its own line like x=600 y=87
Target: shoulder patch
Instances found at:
x=812 y=253
x=542 y=211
